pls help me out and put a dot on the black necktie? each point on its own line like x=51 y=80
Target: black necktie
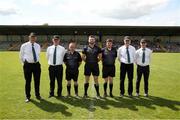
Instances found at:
x=34 y=53
x=128 y=55
x=143 y=56
x=54 y=56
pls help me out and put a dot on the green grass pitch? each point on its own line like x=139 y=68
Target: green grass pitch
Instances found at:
x=163 y=102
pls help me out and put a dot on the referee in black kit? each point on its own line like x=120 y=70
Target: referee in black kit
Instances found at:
x=109 y=54
x=126 y=56
x=55 y=55
x=72 y=59
x=143 y=58
x=91 y=54
x=29 y=55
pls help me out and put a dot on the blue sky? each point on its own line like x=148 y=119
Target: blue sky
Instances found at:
x=90 y=12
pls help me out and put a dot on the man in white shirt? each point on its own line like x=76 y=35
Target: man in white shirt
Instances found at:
x=29 y=56
x=126 y=56
x=143 y=57
x=55 y=55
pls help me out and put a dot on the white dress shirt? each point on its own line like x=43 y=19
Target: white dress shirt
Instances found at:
x=26 y=52
x=139 y=55
x=60 y=51
x=122 y=54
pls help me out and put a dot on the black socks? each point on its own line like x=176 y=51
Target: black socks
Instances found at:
x=86 y=85
x=69 y=89
x=76 y=89
x=111 y=87
x=97 y=89
x=105 y=87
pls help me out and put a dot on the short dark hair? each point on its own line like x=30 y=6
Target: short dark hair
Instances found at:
x=109 y=40
x=72 y=41
x=91 y=36
x=127 y=38
x=56 y=37
x=32 y=34
x=143 y=40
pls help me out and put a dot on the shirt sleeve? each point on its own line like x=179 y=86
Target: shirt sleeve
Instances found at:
x=84 y=50
x=79 y=57
x=21 y=53
x=102 y=51
x=136 y=56
x=150 y=55
x=115 y=52
x=99 y=50
x=64 y=52
x=47 y=53
x=134 y=53
x=39 y=50
x=64 y=59
x=118 y=53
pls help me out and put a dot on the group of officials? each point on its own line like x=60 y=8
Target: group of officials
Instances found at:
x=91 y=55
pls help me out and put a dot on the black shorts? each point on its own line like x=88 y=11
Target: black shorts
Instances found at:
x=91 y=69
x=108 y=71
x=72 y=75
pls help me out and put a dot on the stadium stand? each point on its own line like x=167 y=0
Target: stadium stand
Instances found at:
x=155 y=46
x=161 y=39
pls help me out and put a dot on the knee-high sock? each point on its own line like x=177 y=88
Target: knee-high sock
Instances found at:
x=111 y=87
x=86 y=85
x=76 y=89
x=105 y=87
x=97 y=88
x=69 y=89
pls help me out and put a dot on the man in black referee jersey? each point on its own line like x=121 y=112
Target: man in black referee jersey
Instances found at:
x=72 y=59
x=109 y=55
x=91 y=54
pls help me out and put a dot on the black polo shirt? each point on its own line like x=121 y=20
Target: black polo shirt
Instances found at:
x=91 y=54
x=72 y=60
x=109 y=56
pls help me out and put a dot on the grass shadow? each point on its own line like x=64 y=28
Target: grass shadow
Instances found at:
x=163 y=102
x=150 y=102
x=91 y=103
x=52 y=107
x=79 y=102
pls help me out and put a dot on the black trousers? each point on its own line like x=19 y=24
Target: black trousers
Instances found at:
x=142 y=70
x=129 y=69
x=29 y=70
x=56 y=73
